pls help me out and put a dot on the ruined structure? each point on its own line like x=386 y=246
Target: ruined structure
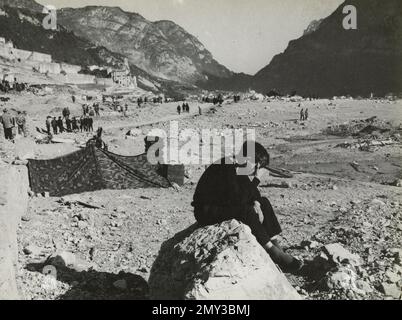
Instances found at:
x=41 y=63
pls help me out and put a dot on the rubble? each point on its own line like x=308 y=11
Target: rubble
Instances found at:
x=340 y=255
x=391 y=290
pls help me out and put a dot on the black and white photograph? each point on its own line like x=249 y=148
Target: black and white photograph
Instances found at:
x=199 y=151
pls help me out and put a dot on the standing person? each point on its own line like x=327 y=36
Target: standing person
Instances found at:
x=8 y=124
x=84 y=109
x=91 y=112
x=82 y=122
x=73 y=99
x=178 y=109
x=54 y=126
x=90 y=124
x=199 y=111
x=96 y=107
x=86 y=127
x=48 y=124
x=306 y=114
x=66 y=113
x=21 y=123
x=68 y=124
x=60 y=125
x=74 y=124
x=183 y=108
x=301 y=114
x=225 y=191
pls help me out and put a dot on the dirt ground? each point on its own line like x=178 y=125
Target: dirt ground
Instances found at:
x=337 y=195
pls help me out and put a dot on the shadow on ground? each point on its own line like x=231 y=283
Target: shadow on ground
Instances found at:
x=94 y=285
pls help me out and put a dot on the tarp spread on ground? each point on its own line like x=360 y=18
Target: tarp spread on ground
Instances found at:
x=93 y=169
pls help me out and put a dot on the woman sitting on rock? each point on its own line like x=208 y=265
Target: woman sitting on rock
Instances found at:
x=228 y=190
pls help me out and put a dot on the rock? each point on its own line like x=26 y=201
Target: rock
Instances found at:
x=83 y=216
x=397 y=254
x=397 y=183
x=25 y=218
x=343 y=278
x=20 y=162
x=82 y=225
x=391 y=290
x=343 y=210
x=392 y=276
x=120 y=284
x=46 y=194
x=364 y=286
x=340 y=255
x=32 y=250
x=65 y=259
x=310 y=244
x=376 y=202
x=286 y=184
x=223 y=261
x=334 y=187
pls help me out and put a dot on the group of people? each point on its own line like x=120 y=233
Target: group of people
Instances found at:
x=84 y=123
x=6 y=86
x=185 y=108
x=236 y=98
x=75 y=124
x=9 y=122
x=304 y=114
x=93 y=111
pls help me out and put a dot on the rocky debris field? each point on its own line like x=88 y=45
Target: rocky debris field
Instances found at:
x=340 y=211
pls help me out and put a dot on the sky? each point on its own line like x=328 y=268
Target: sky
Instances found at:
x=243 y=35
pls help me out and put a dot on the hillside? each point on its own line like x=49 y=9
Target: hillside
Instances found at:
x=161 y=48
x=329 y=60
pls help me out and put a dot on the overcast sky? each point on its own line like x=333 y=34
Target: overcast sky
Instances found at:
x=243 y=35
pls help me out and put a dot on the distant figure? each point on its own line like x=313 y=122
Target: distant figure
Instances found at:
x=73 y=99
x=199 y=111
x=21 y=123
x=178 y=110
x=301 y=114
x=82 y=123
x=84 y=109
x=66 y=113
x=60 y=125
x=188 y=108
x=306 y=114
x=74 y=124
x=91 y=112
x=54 y=126
x=90 y=124
x=48 y=124
x=68 y=124
x=96 y=108
x=8 y=124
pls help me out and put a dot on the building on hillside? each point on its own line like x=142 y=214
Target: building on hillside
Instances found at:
x=124 y=78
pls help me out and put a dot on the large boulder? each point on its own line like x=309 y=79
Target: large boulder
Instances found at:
x=222 y=261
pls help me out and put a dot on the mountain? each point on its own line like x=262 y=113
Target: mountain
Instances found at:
x=24 y=28
x=22 y=4
x=329 y=60
x=161 y=48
